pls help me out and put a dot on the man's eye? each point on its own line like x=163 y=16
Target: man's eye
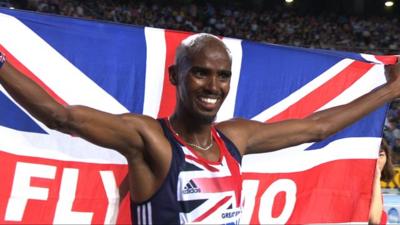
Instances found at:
x=199 y=73
x=225 y=75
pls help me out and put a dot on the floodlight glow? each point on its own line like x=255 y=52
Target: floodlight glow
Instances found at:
x=289 y=1
x=389 y=3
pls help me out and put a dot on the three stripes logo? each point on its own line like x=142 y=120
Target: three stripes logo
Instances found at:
x=191 y=188
x=2 y=59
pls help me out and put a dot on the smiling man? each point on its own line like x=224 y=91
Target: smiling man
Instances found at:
x=186 y=169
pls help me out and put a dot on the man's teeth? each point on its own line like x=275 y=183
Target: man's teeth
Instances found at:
x=209 y=100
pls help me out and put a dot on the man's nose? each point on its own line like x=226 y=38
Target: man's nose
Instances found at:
x=212 y=83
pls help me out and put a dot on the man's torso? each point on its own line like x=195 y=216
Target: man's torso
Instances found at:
x=195 y=190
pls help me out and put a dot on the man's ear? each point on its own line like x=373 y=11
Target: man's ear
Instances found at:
x=173 y=74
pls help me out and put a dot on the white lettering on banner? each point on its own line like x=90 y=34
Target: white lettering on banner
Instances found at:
x=249 y=191
x=112 y=193
x=267 y=201
x=64 y=213
x=22 y=191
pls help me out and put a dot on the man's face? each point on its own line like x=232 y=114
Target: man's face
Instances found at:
x=204 y=81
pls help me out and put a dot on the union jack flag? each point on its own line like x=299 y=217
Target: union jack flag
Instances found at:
x=51 y=178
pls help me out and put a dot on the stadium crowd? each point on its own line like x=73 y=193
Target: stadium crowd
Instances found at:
x=277 y=25
x=274 y=25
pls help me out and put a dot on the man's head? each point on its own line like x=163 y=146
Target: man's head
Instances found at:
x=201 y=74
x=194 y=44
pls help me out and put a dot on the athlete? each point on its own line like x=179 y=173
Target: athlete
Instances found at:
x=185 y=168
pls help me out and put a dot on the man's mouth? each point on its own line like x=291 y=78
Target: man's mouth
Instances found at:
x=212 y=101
x=209 y=103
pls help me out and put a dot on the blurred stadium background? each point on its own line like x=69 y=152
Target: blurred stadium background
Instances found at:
x=367 y=26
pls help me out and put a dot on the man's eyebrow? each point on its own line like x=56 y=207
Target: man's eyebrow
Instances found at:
x=226 y=72
x=200 y=68
x=206 y=69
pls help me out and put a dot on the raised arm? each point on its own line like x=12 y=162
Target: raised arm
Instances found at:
x=257 y=137
x=119 y=132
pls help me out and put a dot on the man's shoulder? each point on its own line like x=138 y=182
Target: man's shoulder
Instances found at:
x=232 y=127
x=238 y=127
x=236 y=130
x=233 y=123
x=142 y=123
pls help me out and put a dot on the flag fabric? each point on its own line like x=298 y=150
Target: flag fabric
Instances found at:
x=52 y=178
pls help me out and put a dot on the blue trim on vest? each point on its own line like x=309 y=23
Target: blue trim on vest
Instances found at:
x=166 y=208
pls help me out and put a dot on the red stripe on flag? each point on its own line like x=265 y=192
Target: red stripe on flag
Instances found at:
x=19 y=66
x=168 y=100
x=387 y=59
x=325 y=93
x=215 y=207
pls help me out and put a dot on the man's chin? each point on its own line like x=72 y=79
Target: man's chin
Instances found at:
x=206 y=118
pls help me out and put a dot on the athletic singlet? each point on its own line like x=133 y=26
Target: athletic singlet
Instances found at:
x=195 y=190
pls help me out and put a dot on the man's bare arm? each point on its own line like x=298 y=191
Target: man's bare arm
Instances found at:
x=118 y=132
x=257 y=137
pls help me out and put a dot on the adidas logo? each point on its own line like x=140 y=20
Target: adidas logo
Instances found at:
x=191 y=188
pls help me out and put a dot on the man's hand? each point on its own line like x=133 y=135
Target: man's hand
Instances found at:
x=393 y=76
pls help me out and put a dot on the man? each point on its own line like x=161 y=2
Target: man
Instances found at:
x=172 y=161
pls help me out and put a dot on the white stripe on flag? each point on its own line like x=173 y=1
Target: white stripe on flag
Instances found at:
x=228 y=107
x=296 y=159
x=155 y=66
x=40 y=124
x=62 y=77
x=370 y=58
x=303 y=91
x=369 y=81
x=56 y=146
x=52 y=68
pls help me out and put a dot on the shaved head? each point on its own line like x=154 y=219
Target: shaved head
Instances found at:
x=193 y=44
x=201 y=75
